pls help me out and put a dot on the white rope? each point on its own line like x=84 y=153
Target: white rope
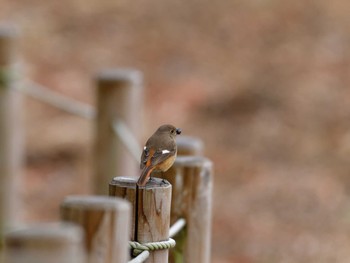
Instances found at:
x=174 y=229
x=57 y=100
x=140 y=258
x=126 y=136
x=177 y=227
x=81 y=109
x=150 y=246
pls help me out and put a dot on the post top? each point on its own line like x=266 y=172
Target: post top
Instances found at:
x=121 y=75
x=155 y=182
x=189 y=144
x=121 y=180
x=191 y=160
x=46 y=233
x=96 y=202
x=129 y=182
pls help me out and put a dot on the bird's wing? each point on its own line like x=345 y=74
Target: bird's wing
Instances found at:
x=157 y=150
x=144 y=157
x=161 y=155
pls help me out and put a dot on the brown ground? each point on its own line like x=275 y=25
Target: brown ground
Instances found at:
x=263 y=83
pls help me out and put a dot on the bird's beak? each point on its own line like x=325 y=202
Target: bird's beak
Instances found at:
x=178 y=131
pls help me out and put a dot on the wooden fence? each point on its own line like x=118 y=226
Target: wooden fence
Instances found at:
x=143 y=226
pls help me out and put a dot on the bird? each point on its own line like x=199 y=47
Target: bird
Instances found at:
x=159 y=152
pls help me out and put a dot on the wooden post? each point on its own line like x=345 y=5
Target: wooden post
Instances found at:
x=11 y=146
x=105 y=221
x=45 y=243
x=191 y=179
x=119 y=97
x=125 y=188
x=152 y=213
x=187 y=145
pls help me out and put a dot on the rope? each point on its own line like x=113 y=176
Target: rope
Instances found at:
x=141 y=251
x=140 y=258
x=78 y=108
x=57 y=100
x=44 y=94
x=138 y=247
x=126 y=136
x=177 y=227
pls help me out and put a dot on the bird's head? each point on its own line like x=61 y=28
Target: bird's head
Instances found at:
x=167 y=128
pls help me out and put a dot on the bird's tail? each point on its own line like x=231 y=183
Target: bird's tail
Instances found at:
x=145 y=174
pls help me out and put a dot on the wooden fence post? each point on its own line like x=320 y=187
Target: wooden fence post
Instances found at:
x=105 y=221
x=119 y=97
x=125 y=188
x=11 y=146
x=187 y=145
x=45 y=243
x=191 y=179
x=151 y=218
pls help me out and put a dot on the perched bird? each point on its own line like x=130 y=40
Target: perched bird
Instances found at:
x=159 y=152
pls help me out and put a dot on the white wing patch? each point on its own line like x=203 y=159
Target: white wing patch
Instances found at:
x=165 y=151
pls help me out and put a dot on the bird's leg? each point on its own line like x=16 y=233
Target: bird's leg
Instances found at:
x=151 y=179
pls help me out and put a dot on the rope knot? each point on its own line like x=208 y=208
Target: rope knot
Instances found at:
x=151 y=246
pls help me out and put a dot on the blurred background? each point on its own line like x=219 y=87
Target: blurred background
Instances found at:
x=264 y=83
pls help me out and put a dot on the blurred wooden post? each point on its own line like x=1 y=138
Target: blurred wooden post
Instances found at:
x=11 y=146
x=152 y=218
x=119 y=97
x=191 y=179
x=45 y=243
x=125 y=188
x=187 y=145
x=105 y=221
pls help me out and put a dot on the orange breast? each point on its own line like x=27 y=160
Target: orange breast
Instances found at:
x=165 y=165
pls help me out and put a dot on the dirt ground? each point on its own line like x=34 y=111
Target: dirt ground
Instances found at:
x=263 y=83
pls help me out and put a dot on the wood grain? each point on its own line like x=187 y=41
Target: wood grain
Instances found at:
x=11 y=132
x=152 y=214
x=191 y=178
x=54 y=243
x=105 y=222
x=119 y=97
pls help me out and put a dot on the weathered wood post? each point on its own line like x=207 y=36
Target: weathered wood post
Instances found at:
x=187 y=145
x=11 y=146
x=191 y=179
x=119 y=98
x=151 y=219
x=105 y=221
x=45 y=243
